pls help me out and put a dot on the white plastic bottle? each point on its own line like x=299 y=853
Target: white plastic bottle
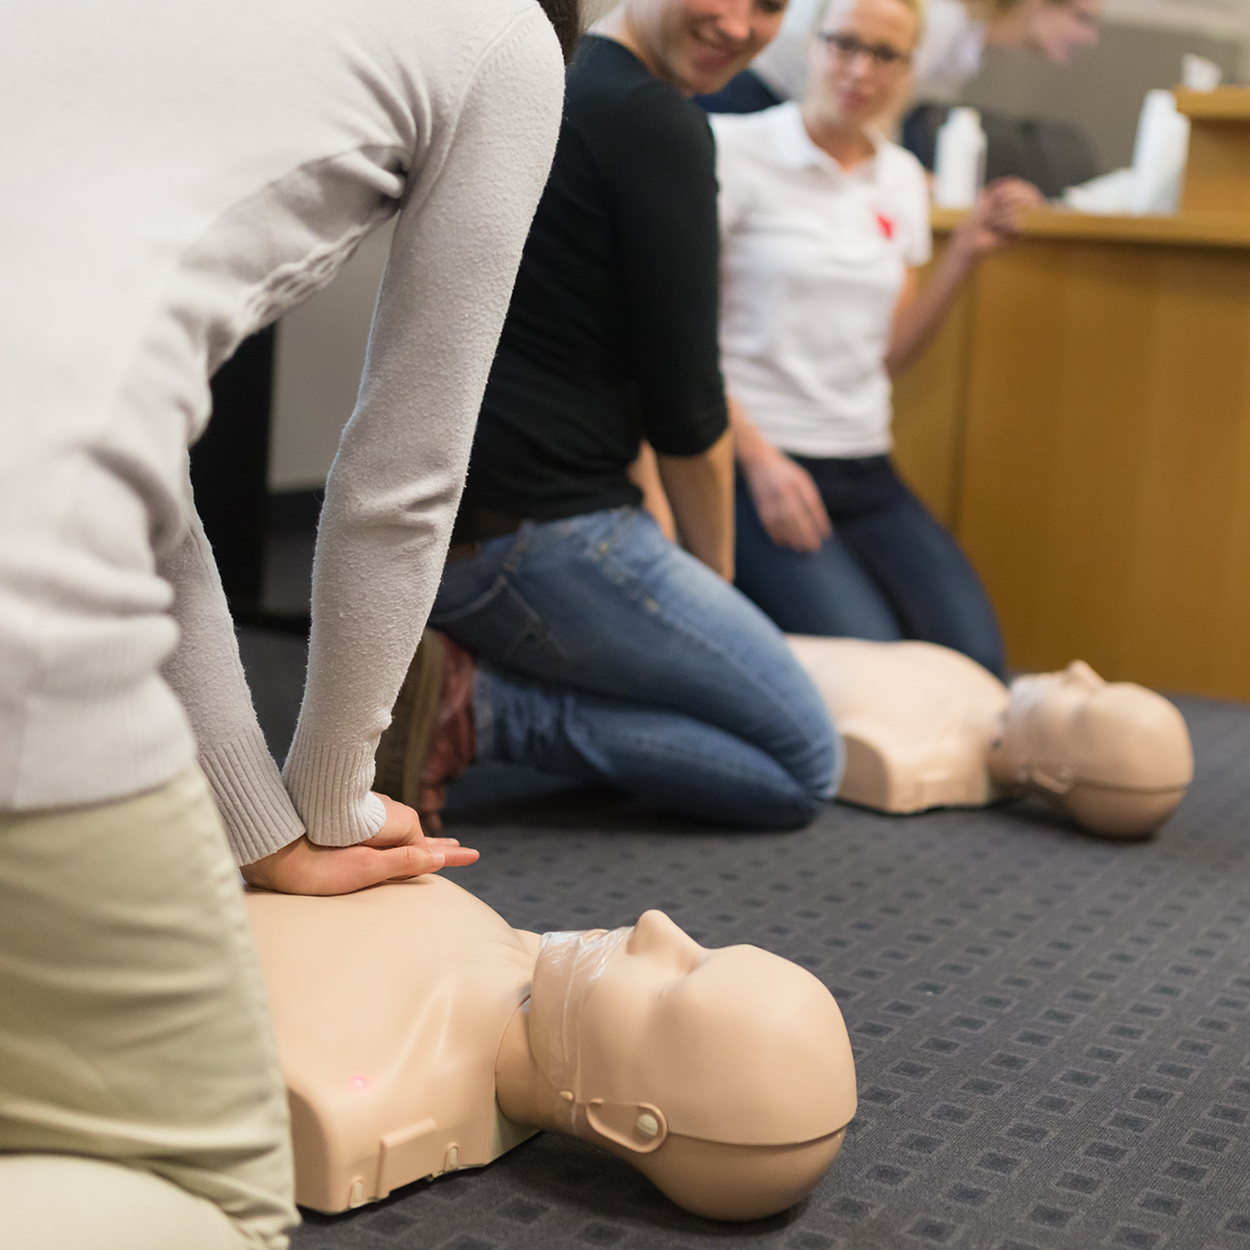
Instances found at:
x=959 y=161
x=1159 y=155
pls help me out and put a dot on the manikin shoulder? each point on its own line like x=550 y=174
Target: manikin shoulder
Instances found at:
x=896 y=680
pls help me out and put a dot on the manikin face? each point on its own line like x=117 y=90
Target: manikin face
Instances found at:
x=1068 y=730
x=1057 y=30
x=861 y=60
x=699 y=45
x=1037 y=726
x=734 y=1045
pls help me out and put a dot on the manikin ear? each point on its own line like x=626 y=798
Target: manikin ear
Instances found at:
x=638 y=1126
x=1054 y=775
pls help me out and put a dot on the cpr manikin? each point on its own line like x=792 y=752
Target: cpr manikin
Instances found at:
x=419 y=1033
x=925 y=727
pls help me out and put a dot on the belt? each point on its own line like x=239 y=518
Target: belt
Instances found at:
x=474 y=526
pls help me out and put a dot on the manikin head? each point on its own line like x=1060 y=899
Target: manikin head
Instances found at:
x=1115 y=756
x=697 y=45
x=859 y=67
x=725 y=1076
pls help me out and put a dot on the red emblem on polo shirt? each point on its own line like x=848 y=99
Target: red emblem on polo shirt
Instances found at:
x=886 y=224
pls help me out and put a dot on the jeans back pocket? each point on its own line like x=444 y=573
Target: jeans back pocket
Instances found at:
x=500 y=626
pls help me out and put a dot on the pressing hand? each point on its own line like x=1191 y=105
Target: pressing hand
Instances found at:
x=398 y=850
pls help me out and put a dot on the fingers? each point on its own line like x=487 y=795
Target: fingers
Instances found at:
x=454 y=855
x=1003 y=202
x=808 y=522
x=402 y=825
x=814 y=505
x=460 y=857
x=790 y=526
x=304 y=868
x=1016 y=187
x=790 y=507
x=400 y=863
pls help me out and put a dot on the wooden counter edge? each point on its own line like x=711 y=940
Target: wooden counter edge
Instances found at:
x=1224 y=104
x=1193 y=228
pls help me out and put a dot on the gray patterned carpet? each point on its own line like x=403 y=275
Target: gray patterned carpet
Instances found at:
x=1051 y=1033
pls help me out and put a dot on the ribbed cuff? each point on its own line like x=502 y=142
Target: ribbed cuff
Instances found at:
x=255 y=808
x=330 y=788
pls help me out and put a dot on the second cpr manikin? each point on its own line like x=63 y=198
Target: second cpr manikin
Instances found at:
x=925 y=726
x=419 y=1034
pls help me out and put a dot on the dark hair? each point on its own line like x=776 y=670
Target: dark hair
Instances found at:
x=566 y=17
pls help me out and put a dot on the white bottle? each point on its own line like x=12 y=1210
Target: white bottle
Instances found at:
x=1159 y=155
x=959 y=161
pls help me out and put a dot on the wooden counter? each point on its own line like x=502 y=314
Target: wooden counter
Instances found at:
x=1083 y=424
x=1194 y=228
x=1217 y=171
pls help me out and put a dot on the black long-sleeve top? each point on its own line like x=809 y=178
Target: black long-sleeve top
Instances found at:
x=611 y=335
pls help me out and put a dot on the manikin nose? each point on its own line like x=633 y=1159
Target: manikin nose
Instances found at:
x=656 y=934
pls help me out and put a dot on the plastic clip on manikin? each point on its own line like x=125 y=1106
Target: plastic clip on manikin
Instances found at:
x=959 y=160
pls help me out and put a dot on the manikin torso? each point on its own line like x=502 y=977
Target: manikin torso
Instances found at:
x=388 y=1044
x=917 y=720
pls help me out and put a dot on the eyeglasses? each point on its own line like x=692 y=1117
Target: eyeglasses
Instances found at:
x=849 y=47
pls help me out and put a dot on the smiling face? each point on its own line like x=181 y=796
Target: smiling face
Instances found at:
x=733 y=1046
x=861 y=60
x=699 y=45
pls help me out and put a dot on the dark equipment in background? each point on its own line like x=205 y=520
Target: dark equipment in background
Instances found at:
x=230 y=478
x=1052 y=155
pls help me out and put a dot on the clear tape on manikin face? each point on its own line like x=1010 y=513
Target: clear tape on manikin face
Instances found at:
x=569 y=967
x=1040 y=716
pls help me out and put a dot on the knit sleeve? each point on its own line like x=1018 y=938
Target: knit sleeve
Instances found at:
x=207 y=676
x=393 y=490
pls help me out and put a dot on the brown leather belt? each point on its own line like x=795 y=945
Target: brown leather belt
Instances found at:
x=474 y=526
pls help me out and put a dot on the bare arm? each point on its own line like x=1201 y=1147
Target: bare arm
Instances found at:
x=700 y=493
x=645 y=474
x=992 y=223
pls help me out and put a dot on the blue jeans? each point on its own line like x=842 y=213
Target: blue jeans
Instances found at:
x=605 y=652
x=889 y=572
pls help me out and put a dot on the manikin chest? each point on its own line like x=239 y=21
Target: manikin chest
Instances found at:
x=389 y=1006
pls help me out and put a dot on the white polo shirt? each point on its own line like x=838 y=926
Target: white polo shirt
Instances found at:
x=813 y=258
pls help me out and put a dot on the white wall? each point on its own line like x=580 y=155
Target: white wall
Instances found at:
x=1218 y=19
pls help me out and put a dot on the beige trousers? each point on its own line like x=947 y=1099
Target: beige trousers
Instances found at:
x=141 y=1102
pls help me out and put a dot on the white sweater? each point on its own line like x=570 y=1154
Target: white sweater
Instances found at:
x=174 y=176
